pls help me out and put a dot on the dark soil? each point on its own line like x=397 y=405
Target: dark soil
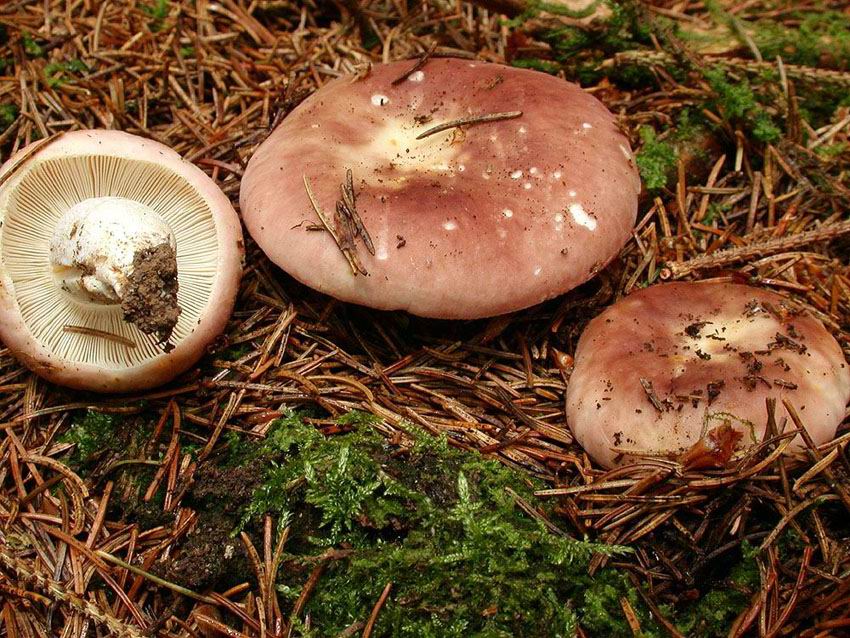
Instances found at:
x=209 y=556
x=151 y=299
x=225 y=489
x=212 y=554
x=129 y=507
x=425 y=471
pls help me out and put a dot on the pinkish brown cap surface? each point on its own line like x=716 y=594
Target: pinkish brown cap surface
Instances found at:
x=66 y=334
x=468 y=222
x=659 y=369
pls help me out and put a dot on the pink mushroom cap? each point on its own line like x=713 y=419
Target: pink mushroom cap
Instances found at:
x=41 y=183
x=470 y=222
x=659 y=369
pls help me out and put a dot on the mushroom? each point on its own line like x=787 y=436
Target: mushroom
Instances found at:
x=119 y=260
x=676 y=364
x=461 y=190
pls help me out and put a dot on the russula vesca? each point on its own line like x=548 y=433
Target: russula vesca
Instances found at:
x=660 y=369
x=528 y=199
x=119 y=260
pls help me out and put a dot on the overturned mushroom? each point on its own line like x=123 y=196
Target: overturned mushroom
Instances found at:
x=670 y=369
x=477 y=189
x=119 y=261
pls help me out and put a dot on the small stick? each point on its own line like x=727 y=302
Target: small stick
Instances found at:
x=156 y=579
x=373 y=618
x=650 y=394
x=58 y=592
x=471 y=119
x=329 y=226
x=103 y=334
x=827 y=232
x=350 y=202
x=422 y=61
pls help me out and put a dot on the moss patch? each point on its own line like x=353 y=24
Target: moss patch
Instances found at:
x=443 y=526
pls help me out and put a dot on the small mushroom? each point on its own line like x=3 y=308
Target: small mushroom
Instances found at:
x=119 y=260
x=479 y=189
x=678 y=364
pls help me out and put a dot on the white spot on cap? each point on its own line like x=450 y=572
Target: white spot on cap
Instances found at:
x=508 y=213
x=380 y=100
x=572 y=193
x=537 y=271
x=532 y=170
x=557 y=174
x=559 y=217
x=450 y=225
x=523 y=130
x=516 y=174
x=317 y=126
x=461 y=168
x=586 y=125
x=582 y=217
x=417 y=76
x=625 y=152
x=527 y=185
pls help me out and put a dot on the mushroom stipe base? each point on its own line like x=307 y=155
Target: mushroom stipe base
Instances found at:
x=108 y=239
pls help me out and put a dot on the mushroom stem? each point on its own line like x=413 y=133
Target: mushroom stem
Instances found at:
x=116 y=251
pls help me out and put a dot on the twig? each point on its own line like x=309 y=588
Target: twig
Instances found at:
x=797 y=72
x=422 y=61
x=156 y=579
x=471 y=119
x=349 y=205
x=828 y=232
x=373 y=617
x=57 y=591
x=353 y=262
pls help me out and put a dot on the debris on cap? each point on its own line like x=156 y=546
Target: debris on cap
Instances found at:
x=476 y=189
x=683 y=370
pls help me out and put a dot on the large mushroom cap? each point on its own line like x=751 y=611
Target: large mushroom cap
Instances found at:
x=465 y=223
x=89 y=225
x=658 y=370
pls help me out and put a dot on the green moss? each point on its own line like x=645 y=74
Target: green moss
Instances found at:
x=712 y=615
x=91 y=434
x=157 y=12
x=832 y=151
x=32 y=48
x=655 y=160
x=602 y=595
x=560 y=9
x=581 y=50
x=738 y=103
x=8 y=115
x=442 y=525
x=59 y=73
x=546 y=66
x=822 y=38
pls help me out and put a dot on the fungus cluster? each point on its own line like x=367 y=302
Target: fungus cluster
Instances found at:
x=454 y=189
x=119 y=261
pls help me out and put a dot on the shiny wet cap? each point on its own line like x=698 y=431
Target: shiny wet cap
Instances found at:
x=471 y=221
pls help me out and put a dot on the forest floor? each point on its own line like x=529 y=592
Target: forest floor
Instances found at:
x=332 y=470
